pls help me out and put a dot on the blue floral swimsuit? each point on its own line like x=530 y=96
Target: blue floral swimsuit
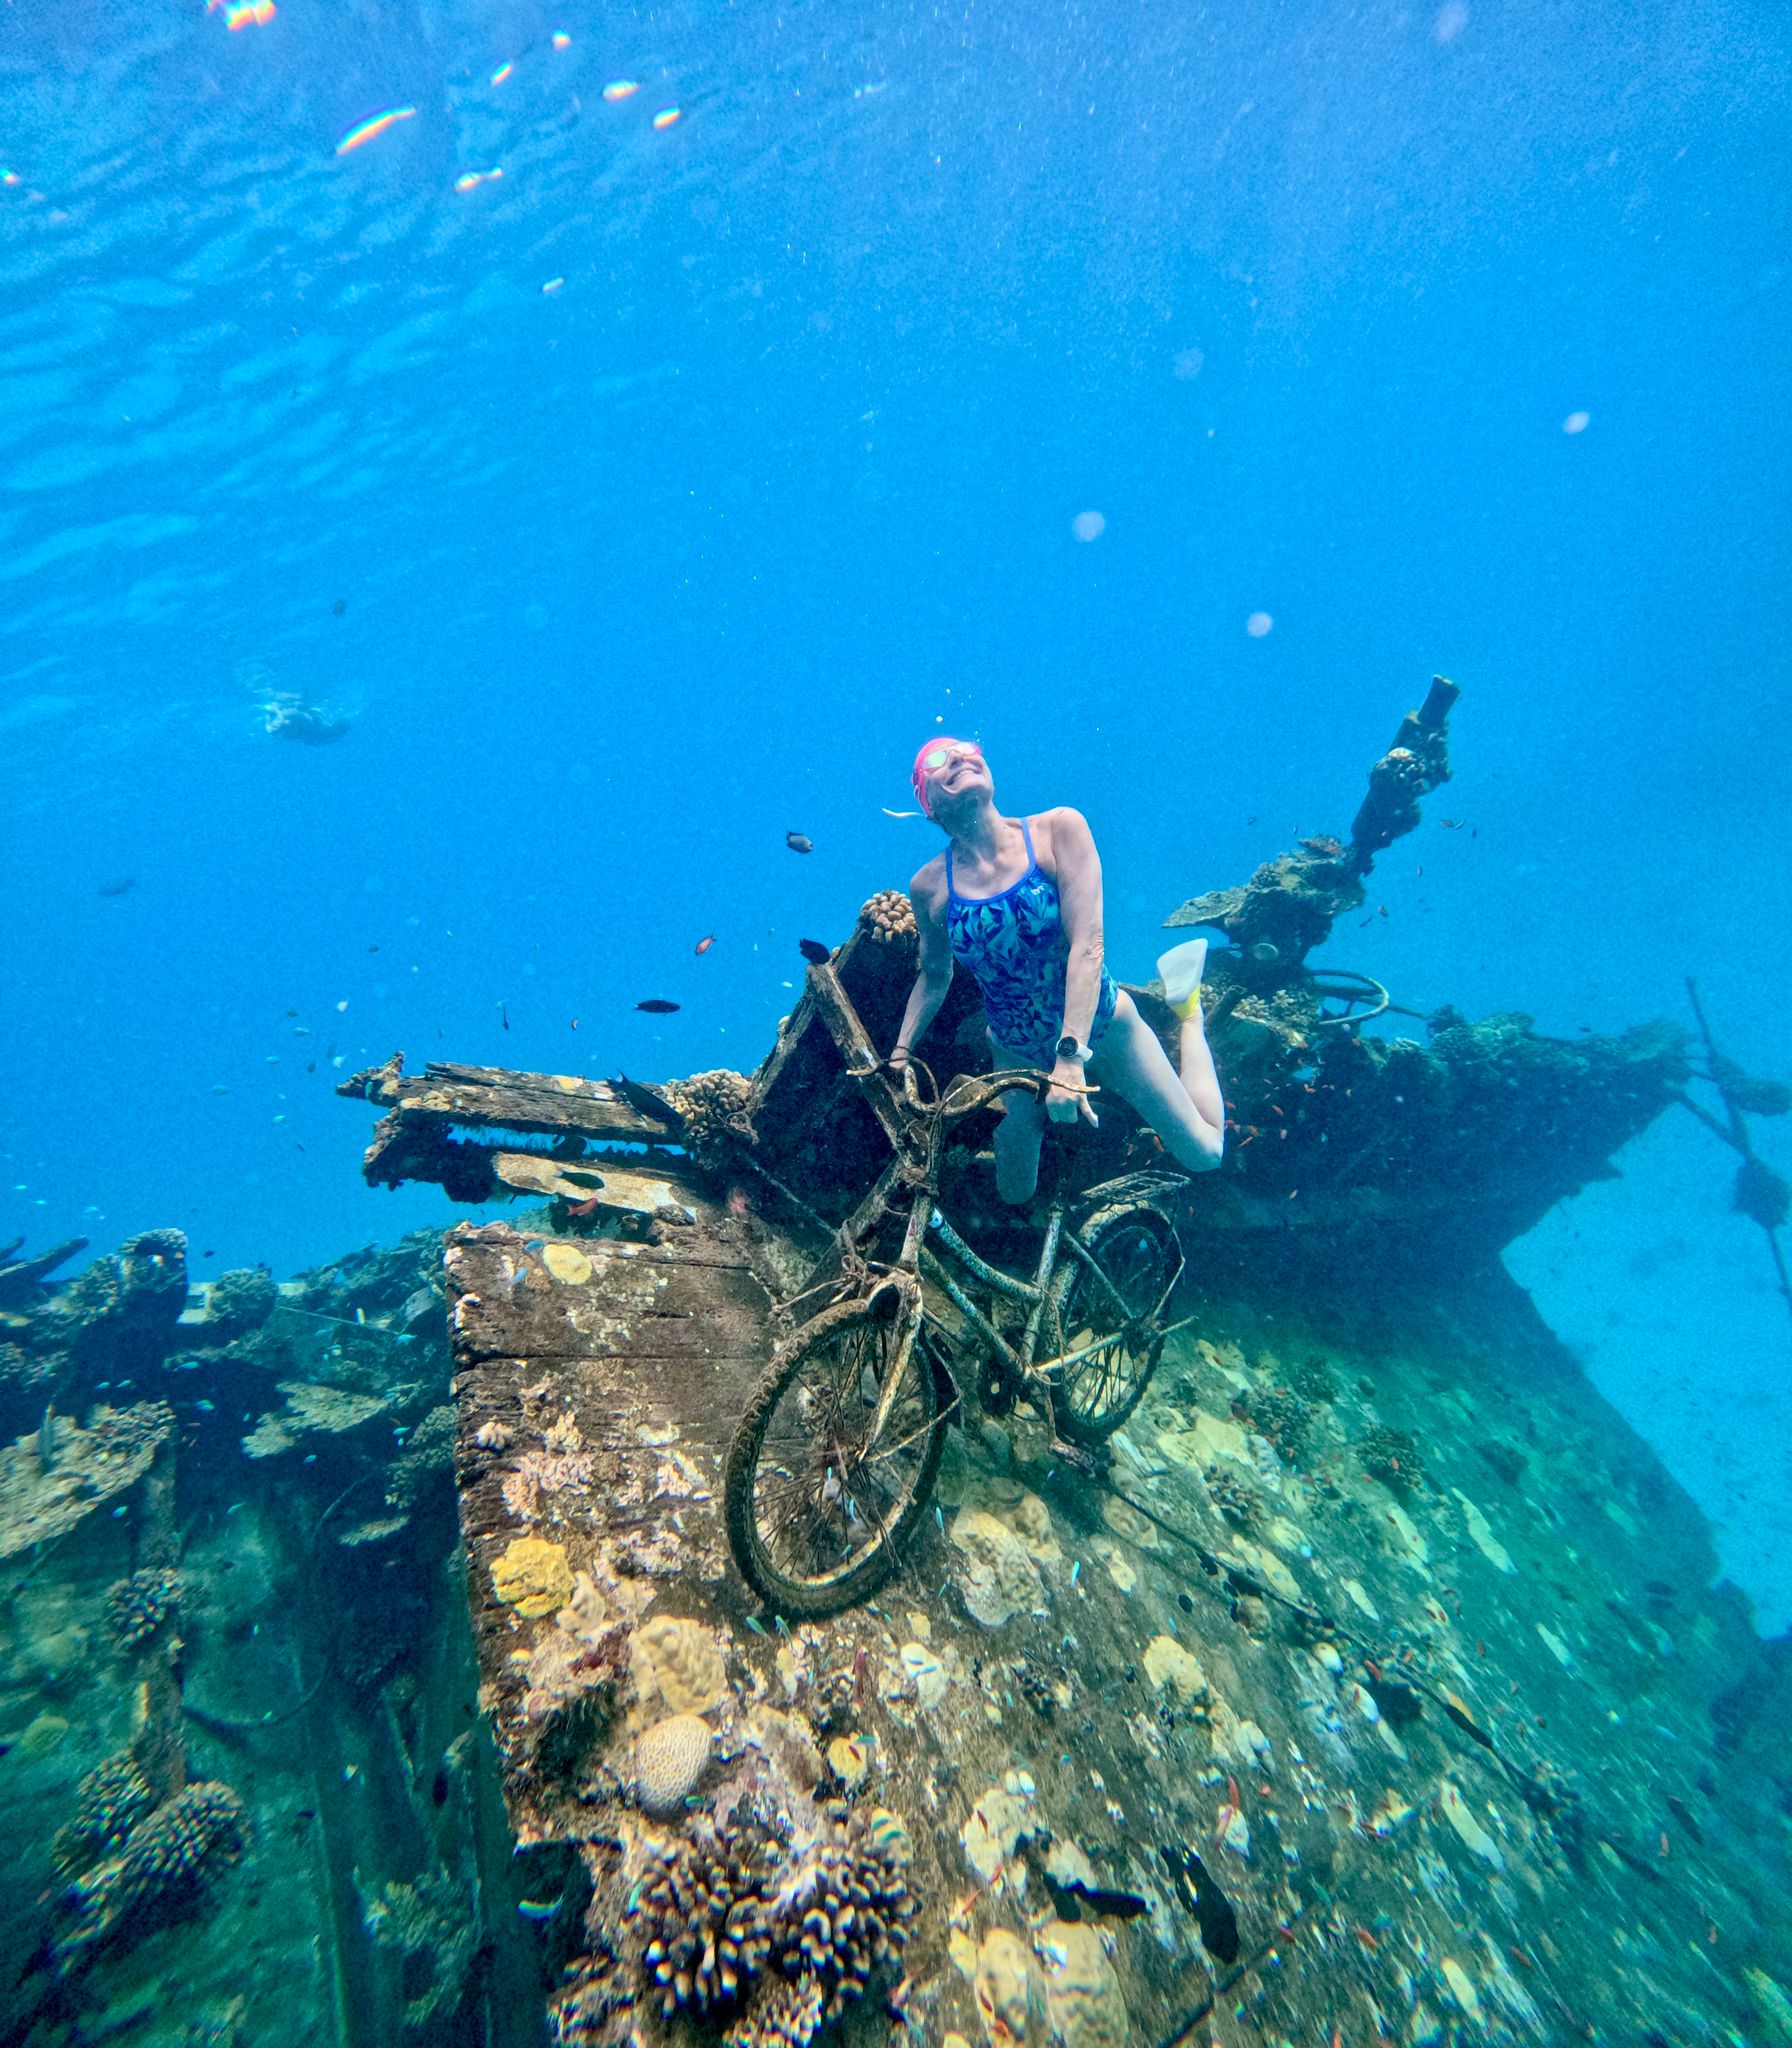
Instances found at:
x=1017 y=951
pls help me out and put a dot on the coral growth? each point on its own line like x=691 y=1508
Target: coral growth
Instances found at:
x=109 y=1802
x=1277 y=1414
x=1311 y=1379
x=136 y=1607
x=682 y=1661
x=998 y=1579
x=52 y=1478
x=714 y=1108
x=426 y=1460
x=163 y=1868
x=670 y=1759
x=788 y=2015
x=1231 y=1496
x=888 y=915
x=1392 y=1456
x=434 y=1924
x=143 y=1284
x=240 y=1301
x=532 y=1576
x=721 y=1911
x=310 y=1406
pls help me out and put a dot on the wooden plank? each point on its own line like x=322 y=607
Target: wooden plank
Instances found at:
x=491 y=1098
x=600 y=1298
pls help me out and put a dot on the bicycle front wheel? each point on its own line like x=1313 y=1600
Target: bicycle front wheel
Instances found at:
x=1109 y=1332
x=819 y=1499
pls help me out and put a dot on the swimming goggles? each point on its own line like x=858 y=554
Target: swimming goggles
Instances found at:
x=935 y=758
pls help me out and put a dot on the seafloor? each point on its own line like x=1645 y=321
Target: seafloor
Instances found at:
x=1380 y=1613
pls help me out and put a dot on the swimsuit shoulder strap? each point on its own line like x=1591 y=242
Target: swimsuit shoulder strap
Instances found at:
x=1026 y=832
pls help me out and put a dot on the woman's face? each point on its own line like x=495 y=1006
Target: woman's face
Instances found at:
x=962 y=778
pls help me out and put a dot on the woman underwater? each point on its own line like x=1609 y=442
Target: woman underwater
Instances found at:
x=1017 y=902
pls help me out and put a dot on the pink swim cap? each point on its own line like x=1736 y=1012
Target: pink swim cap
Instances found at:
x=941 y=745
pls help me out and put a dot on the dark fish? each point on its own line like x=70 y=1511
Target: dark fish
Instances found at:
x=1456 y=1711
x=650 y=1102
x=814 y=952
x=122 y=887
x=339 y=607
x=1684 y=1815
x=799 y=842
x=1203 y=1897
x=1399 y=1704
x=504 y=1016
x=657 y=1006
x=1098 y=1898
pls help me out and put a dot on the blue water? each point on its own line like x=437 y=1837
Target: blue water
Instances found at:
x=622 y=580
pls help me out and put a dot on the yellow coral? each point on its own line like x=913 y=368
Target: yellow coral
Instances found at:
x=532 y=1576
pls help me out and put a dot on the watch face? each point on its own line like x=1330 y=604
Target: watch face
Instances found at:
x=1068 y=1047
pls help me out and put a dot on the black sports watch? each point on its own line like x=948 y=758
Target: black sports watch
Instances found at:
x=1070 y=1047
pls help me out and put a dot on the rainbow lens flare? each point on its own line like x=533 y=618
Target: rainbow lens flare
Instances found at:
x=375 y=124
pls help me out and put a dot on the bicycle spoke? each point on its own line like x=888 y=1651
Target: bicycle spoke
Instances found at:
x=831 y=1485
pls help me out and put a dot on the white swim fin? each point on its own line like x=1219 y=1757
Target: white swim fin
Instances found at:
x=1181 y=969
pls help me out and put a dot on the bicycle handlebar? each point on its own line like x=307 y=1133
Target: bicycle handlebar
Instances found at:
x=971 y=1092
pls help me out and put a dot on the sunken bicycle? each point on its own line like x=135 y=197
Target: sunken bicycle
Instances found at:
x=836 y=1455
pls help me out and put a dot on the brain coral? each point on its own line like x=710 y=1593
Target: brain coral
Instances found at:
x=669 y=1759
x=1004 y=1987
x=1082 y=1993
x=683 y=1660
x=532 y=1576
x=998 y=1580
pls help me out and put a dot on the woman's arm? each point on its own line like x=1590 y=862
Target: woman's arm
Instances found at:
x=933 y=976
x=1077 y=871
x=1076 y=867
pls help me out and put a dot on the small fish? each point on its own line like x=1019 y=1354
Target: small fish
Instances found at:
x=1076 y=1571
x=122 y=887
x=537 y=1909
x=504 y=1016
x=657 y=1006
x=799 y=842
x=888 y=813
x=755 y=1624
x=1121 y=1905
x=205 y=1407
x=814 y=952
x=939 y=1517
x=585 y=1208
x=1212 y=1909
x=704 y=944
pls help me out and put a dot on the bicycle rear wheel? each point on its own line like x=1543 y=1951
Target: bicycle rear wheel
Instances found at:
x=818 y=1508
x=1115 y=1327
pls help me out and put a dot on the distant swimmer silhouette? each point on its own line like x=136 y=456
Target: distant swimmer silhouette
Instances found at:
x=289 y=717
x=1017 y=903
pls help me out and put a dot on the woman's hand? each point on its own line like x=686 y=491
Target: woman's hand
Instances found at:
x=1067 y=1096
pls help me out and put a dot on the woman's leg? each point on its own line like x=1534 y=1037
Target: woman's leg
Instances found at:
x=1019 y=1134
x=1188 y=1112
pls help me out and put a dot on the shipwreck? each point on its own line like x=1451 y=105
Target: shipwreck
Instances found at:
x=1335 y=1665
